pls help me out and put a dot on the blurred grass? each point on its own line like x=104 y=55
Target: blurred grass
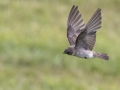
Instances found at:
x=33 y=37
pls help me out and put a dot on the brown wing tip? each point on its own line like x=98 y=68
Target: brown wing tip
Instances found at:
x=99 y=9
x=75 y=6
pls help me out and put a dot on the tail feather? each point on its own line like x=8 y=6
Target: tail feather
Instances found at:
x=101 y=55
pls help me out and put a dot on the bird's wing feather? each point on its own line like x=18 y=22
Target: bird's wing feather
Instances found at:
x=75 y=25
x=87 y=38
x=90 y=41
x=95 y=22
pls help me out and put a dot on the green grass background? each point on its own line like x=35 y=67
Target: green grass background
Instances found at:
x=33 y=38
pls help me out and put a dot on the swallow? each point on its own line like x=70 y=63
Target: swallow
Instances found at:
x=82 y=37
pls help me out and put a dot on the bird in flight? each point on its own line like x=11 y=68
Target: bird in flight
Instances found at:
x=82 y=36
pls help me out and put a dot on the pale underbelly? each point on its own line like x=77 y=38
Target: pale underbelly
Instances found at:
x=84 y=54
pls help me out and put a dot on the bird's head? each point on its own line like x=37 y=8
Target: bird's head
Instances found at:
x=69 y=51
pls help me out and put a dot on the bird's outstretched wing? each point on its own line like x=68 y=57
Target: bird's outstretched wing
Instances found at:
x=75 y=25
x=87 y=38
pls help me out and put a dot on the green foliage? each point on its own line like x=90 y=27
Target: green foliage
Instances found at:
x=33 y=37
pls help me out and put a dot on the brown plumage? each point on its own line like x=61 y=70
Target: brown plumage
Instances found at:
x=82 y=37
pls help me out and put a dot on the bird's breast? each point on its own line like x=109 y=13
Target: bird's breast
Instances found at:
x=84 y=53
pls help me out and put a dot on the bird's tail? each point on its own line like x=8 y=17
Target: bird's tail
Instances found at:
x=101 y=55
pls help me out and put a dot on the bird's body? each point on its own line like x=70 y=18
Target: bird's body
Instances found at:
x=82 y=36
x=82 y=53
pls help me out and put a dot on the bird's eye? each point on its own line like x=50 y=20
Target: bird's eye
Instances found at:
x=68 y=52
x=85 y=57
